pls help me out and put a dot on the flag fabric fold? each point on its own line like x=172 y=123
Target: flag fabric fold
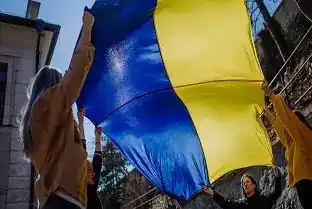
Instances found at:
x=176 y=85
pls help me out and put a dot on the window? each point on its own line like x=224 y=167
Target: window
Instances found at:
x=3 y=80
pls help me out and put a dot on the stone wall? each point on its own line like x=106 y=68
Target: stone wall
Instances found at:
x=18 y=49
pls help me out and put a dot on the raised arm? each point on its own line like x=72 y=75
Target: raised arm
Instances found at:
x=97 y=158
x=80 y=116
x=299 y=133
x=221 y=201
x=80 y=64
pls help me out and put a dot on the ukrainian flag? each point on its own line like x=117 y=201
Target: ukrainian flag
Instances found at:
x=175 y=84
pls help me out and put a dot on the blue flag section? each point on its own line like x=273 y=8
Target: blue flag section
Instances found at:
x=128 y=93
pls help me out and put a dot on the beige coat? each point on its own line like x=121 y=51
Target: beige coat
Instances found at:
x=57 y=152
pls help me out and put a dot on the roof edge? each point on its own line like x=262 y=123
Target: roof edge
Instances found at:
x=20 y=21
x=15 y=20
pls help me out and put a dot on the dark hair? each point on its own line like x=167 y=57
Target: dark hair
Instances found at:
x=45 y=78
x=252 y=180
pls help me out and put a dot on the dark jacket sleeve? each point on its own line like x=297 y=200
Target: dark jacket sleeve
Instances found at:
x=226 y=204
x=278 y=190
x=97 y=165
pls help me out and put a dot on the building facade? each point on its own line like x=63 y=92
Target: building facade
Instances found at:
x=26 y=44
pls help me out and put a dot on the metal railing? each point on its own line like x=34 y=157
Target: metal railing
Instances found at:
x=290 y=56
x=146 y=193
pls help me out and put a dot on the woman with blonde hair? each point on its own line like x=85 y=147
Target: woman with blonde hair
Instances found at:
x=50 y=134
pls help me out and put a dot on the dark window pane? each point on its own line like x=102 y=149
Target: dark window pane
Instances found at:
x=3 y=79
x=2 y=98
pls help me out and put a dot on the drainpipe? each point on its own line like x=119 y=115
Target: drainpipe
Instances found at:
x=39 y=28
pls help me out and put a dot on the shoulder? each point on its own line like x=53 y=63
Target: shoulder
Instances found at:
x=49 y=108
x=51 y=100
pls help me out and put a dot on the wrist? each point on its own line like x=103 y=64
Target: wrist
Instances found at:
x=86 y=31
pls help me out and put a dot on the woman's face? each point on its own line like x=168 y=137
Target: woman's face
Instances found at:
x=248 y=186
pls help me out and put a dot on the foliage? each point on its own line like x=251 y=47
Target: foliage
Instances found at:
x=135 y=185
x=114 y=168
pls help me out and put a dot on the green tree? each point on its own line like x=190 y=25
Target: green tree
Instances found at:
x=114 y=168
x=135 y=185
x=260 y=15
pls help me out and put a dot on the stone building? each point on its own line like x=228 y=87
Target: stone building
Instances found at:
x=26 y=44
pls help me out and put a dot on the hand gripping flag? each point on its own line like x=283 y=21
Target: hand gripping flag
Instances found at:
x=175 y=84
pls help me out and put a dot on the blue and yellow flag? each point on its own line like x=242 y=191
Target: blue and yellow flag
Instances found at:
x=175 y=84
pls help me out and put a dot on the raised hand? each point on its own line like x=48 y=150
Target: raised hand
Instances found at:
x=266 y=88
x=98 y=132
x=87 y=19
x=208 y=190
x=98 y=137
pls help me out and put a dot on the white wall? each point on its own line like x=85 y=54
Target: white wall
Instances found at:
x=18 y=49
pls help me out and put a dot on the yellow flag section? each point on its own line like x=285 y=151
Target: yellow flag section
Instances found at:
x=211 y=62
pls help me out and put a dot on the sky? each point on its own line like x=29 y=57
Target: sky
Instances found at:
x=67 y=14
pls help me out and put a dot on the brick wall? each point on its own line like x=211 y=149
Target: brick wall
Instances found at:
x=18 y=49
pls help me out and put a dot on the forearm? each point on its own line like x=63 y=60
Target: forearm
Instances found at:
x=98 y=147
x=79 y=67
x=81 y=131
x=97 y=165
x=86 y=35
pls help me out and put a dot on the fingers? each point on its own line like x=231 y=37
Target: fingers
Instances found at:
x=98 y=130
x=266 y=88
x=208 y=190
x=82 y=111
x=264 y=85
x=88 y=19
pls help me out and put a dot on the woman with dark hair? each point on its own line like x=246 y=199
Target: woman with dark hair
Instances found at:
x=50 y=134
x=252 y=199
x=95 y=168
x=296 y=136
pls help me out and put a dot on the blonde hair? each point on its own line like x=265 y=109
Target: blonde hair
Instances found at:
x=45 y=78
